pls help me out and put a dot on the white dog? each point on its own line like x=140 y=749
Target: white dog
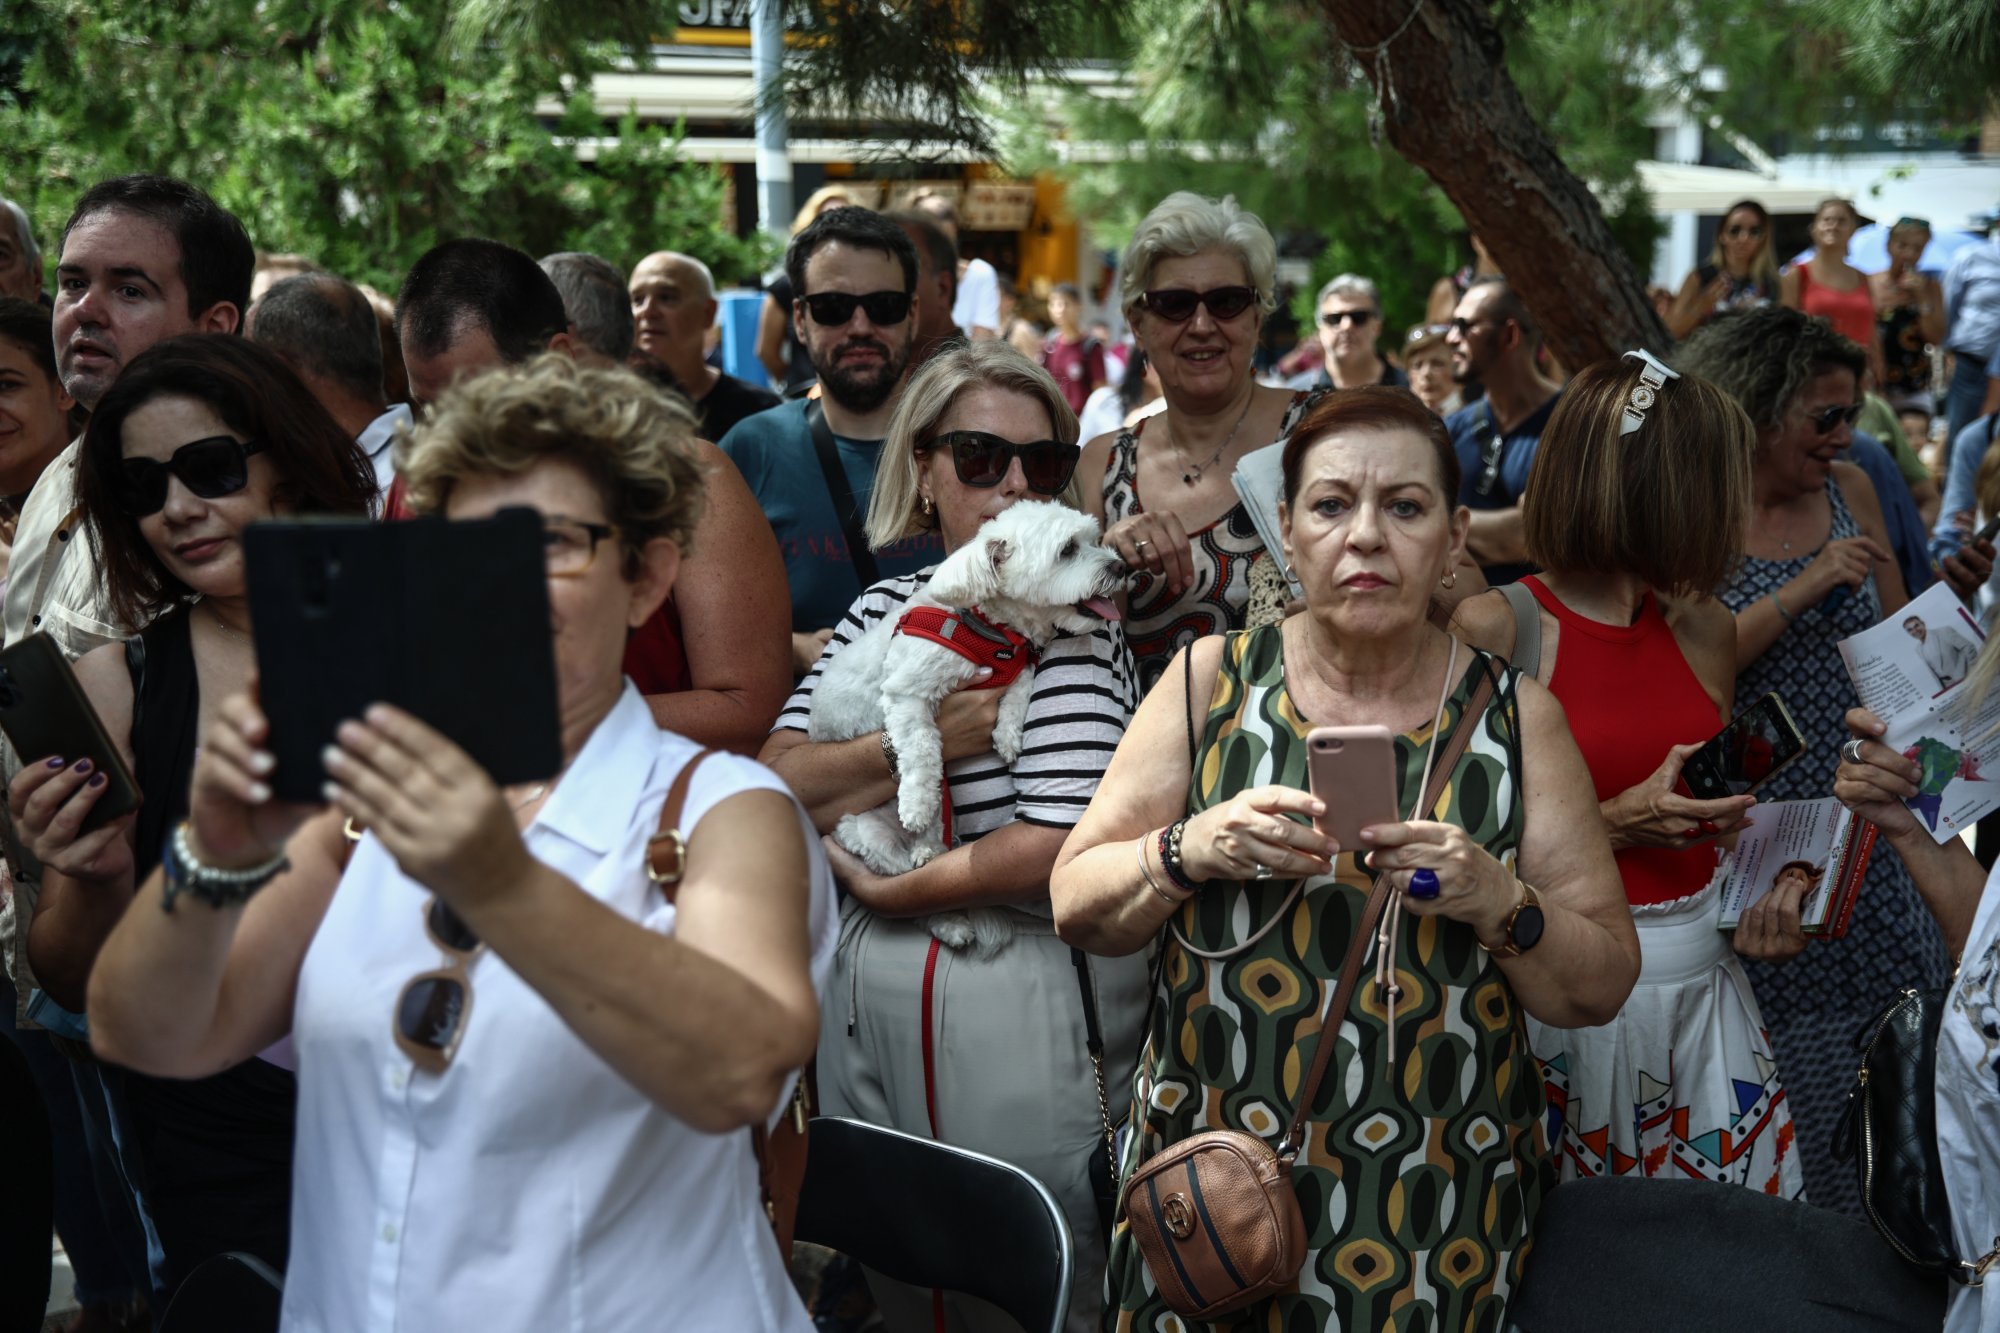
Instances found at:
x=1035 y=569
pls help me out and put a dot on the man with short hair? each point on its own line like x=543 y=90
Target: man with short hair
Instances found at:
x=1947 y=653
x=20 y=257
x=671 y=297
x=937 y=284
x=325 y=330
x=1350 y=321
x=976 y=309
x=593 y=292
x=467 y=305
x=1493 y=339
x=144 y=258
x=811 y=464
x=1074 y=357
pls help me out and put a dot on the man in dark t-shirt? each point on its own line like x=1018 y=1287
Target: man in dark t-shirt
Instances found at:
x=673 y=307
x=1494 y=338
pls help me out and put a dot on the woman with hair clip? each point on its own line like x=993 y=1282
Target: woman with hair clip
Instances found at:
x=1742 y=270
x=199 y=438
x=979 y=429
x=1634 y=509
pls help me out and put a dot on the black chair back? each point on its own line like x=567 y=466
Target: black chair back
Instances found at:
x=226 y=1293
x=1624 y=1252
x=933 y=1215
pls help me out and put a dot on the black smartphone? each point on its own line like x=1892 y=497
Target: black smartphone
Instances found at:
x=46 y=715
x=1988 y=532
x=1757 y=743
x=448 y=621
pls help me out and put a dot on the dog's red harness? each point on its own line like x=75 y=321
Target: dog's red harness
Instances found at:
x=973 y=637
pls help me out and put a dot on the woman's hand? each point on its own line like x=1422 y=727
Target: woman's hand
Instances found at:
x=875 y=892
x=966 y=717
x=440 y=816
x=1473 y=887
x=235 y=821
x=50 y=800
x=1876 y=788
x=1253 y=833
x=1770 y=931
x=1654 y=814
x=1846 y=562
x=1156 y=543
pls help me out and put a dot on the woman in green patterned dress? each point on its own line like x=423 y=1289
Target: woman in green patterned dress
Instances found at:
x=1425 y=1161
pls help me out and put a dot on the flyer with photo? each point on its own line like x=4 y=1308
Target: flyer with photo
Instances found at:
x=1910 y=671
x=1820 y=844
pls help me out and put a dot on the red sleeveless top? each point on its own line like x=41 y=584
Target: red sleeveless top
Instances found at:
x=1630 y=696
x=1852 y=314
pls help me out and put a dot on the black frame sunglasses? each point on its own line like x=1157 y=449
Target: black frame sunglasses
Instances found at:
x=884 y=308
x=1177 y=305
x=982 y=459
x=213 y=467
x=1333 y=319
x=1824 y=420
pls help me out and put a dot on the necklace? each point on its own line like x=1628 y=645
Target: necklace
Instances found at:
x=1191 y=475
x=223 y=626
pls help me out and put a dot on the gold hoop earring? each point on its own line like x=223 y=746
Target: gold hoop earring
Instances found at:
x=1450 y=579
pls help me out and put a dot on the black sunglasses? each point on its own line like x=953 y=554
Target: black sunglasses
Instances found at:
x=835 y=308
x=1740 y=229
x=982 y=460
x=1360 y=319
x=211 y=468
x=1826 y=419
x=1176 y=305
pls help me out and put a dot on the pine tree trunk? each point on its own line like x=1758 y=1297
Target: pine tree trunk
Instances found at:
x=1449 y=106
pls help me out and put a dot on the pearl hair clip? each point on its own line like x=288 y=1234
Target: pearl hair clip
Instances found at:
x=1653 y=376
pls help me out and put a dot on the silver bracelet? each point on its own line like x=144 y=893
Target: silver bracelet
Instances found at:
x=187 y=873
x=1147 y=871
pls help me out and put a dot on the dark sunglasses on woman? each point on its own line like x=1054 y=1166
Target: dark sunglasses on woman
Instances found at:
x=1176 y=305
x=835 y=308
x=982 y=460
x=211 y=468
x=1826 y=419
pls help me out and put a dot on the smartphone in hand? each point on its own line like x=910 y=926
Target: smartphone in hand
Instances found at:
x=1743 y=756
x=46 y=714
x=1353 y=770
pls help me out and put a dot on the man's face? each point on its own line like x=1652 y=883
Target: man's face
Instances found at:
x=119 y=291
x=933 y=318
x=470 y=351
x=860 y=363
x=1476 y=336
x=1914 y=628
x=671 y=309
x=1346 y=325
x=18 y=276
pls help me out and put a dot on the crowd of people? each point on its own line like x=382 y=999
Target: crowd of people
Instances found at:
x=1542 y=588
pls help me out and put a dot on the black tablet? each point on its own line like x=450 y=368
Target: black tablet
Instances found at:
x=448 y=621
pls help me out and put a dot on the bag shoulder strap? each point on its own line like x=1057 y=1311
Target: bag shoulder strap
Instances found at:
x=1527 y=628
x=842 y=496
x=666 y=850
x=1357 y=947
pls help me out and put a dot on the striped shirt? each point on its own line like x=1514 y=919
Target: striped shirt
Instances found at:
x=1084 y=692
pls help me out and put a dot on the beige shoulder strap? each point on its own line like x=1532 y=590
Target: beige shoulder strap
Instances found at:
x=666 y=850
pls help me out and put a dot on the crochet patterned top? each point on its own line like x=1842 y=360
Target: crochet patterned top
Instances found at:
x=1157 y=623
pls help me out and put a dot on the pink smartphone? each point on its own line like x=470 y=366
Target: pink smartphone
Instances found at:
x=1353 y=770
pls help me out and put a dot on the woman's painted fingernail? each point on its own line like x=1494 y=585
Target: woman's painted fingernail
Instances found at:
x=329 y=791
x=330 y=755
x=261 y=761
x=57 y=762
x=82 y=766
x=97 y=780
x=259 y=793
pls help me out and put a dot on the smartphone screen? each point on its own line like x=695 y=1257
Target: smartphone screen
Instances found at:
x=1757 y=743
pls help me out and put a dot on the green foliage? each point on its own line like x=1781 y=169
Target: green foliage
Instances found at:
x=359 y=137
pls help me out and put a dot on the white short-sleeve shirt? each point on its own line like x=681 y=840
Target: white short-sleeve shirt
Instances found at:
x=1968 y=1111
x=529 y=1186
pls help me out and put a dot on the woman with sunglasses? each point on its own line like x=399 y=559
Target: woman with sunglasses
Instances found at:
x=199 y=438
x=1816 y=569
x=979 y=429
x=533 y=1034
x=1196 y=282
x=1741 y=271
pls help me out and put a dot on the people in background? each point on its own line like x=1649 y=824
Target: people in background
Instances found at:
x=1742 y=271
x=1909 y=320
x=937 y=283
x=1074 y=357
x=1350 y=322
x=20 y=254
x=593 y=294
x=1493 y=341
x=1972 y=335
x=1827 y=285
x=976 y=308
x=1427 y=359
x=672 y=308
x=779 y=350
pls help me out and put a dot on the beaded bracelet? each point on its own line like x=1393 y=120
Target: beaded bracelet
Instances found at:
x=1170 y=856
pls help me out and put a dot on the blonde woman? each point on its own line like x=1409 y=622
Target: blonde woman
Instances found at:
x=1742 y=270
x=1005 y=1051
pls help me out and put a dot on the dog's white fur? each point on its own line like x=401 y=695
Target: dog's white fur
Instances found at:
x=1030 y=568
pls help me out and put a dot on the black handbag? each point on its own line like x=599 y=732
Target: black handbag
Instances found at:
x=1890 y=1130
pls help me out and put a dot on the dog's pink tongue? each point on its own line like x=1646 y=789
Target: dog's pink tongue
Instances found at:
x=1101 y=607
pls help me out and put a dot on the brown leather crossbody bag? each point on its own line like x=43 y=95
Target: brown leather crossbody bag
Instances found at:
x=1215 y=1215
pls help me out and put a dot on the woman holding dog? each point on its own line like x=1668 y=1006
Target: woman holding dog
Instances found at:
x=1196 y=282
x=981 y=1043
x=1424 y=1162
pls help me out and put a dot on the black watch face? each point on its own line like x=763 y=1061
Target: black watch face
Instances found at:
x=1527 y=927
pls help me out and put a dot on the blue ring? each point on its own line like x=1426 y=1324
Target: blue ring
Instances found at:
x=1423 y=884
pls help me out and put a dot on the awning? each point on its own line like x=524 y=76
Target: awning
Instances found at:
x=1677 y=187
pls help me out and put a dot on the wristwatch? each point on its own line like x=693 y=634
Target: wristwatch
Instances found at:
x=889 y=753
x=186 y=873
x=1524 y=925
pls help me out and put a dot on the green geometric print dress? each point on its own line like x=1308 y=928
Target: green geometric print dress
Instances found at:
x=1420 y=1186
